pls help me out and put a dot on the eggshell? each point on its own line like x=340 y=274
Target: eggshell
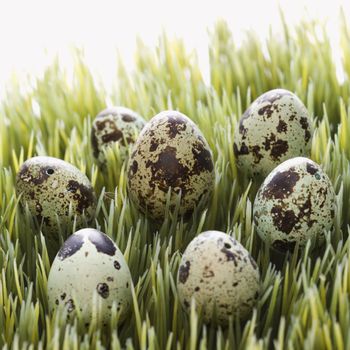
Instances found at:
x=115 y=125
x=274 y=128
x=90 y=272
x=170 y=154
x=56 y=193
x=219 y=273
x=296 y=202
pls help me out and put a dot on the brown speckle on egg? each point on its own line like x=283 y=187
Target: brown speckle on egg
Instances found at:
x=114 y=125
x=103 y=290
x=184 y=271
x=50 y=187
x=274 y=128
x=293 y=205
x=170 y=154
x=220 y=275
x=82 y=277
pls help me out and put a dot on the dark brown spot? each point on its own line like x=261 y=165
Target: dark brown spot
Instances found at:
x=176 y=125
x=230 y=256
x=184 y=272
x=202 y=158
x=282 y=126
x=311 y=168
x=103 y=290
x=116 y=265
x=114 y=136
x=242 y=151
x=128 y=118
x=284 y=220
x=284 y=245
x=26 y=174
x=84 y=195
x=186 y=303
x=110 y=279
x=305 y=211
x=63 y=296
x=306 y=127
x=167 y=171
x=281 y=185
x=154 y=145
x=134 y=167
x=266 y=110
x=292 y=117
x=278 y=149
x=196 y=289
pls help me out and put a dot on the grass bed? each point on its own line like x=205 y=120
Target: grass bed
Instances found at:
x=305 y=300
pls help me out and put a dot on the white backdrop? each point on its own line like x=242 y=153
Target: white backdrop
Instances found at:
x=31 y=32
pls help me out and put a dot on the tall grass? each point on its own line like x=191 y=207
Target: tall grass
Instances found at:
x=305 y=299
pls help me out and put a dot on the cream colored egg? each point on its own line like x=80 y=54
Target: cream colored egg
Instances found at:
x=56 y=193
x=90 y=273
x=219 y=274
x=274 y=128
x=115 y=125
x=296 y=202
x=170 y=154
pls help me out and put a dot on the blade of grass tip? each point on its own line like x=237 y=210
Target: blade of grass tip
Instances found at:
x=192 y=345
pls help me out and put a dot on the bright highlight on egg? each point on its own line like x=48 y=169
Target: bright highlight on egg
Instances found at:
x=296 y=202
x=89 y=272
x=56 y=193
x=172 y=154
x=220 y=275
x=274 y=128
x=115 y=125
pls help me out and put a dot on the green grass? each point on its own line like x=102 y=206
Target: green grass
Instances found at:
x=305 y=299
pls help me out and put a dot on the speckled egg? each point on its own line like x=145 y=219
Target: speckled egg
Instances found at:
x=55 y=190
x=219 y=273
x=170 y=153
x=115 y=124
x=274 y=128
x=296 y=202
x=90 y=271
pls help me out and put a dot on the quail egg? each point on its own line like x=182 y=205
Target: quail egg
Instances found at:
x=170 y=153
x=90 y=272
x=296 y=202
x=115 y=124
x=55 y=191
x=222 y=277
x=274 y=128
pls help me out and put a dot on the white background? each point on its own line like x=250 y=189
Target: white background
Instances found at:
x=32 y=32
